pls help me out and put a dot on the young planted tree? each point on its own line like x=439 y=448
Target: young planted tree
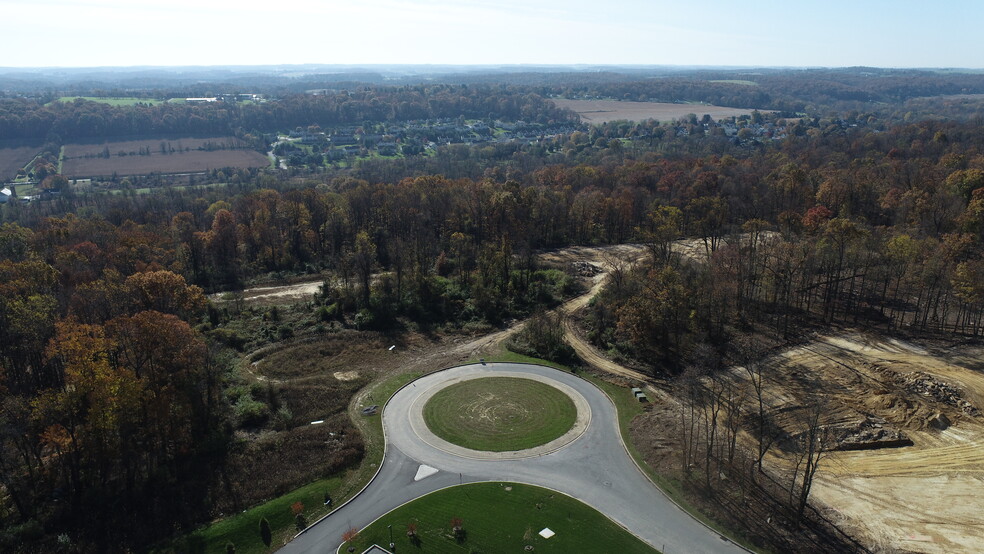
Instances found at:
x=266 y=535
x=457 y=529
x=349 y=537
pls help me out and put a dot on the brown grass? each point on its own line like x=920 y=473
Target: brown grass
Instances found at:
x=12 y=159
x=602 y=111
x=273 y=464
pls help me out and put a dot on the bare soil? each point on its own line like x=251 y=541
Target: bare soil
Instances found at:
x=273 y=294
x=184 y=162
x=921 y=498
x=602 y=111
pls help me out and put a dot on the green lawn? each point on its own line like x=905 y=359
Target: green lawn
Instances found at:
x=113 y=101
x=500 y=414
x=243 y=529
x=500 y=517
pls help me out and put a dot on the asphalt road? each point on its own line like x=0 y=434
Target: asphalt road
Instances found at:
x=595 y=468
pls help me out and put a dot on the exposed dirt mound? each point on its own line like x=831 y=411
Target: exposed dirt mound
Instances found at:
x=869 y=434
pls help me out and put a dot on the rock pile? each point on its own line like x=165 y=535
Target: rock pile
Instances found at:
x=926 y=385
x=584 y=269
x=870 y=433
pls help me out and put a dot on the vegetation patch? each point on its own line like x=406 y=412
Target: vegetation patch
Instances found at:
x=500 y=413
x=497 y=517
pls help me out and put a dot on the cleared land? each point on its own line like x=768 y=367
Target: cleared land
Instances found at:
x=920 y=498
x=500 y=414
x=908 y=472
x=12 y=159
x=602 y=111
x=500 y=517
x=140 y=157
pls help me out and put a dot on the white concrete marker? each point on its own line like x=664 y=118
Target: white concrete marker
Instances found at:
x=392 y=347
x=319 y=422
x=424 y=472
x=547 y=533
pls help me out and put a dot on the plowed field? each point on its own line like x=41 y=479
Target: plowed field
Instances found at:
x=141 y=157
x=12 y=159
x=602 y=111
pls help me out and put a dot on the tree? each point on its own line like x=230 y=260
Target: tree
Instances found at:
x=165 y=292
x=812 y=446
x=363 y=261
x=349 y=537
x=266 y=535
x=665 y=223
x=457 y=530
x=222 y=245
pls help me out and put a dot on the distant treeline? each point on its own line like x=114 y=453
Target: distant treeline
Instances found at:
x=61 y=121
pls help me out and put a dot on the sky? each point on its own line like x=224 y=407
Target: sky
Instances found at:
x=832 y=33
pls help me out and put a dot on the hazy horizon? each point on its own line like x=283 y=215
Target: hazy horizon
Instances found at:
x=716 y=33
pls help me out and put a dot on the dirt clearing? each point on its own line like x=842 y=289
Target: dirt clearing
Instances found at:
x=920 y=498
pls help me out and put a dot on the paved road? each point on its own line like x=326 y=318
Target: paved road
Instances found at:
x=594 y=468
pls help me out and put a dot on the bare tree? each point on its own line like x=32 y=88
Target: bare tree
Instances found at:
x=813 y=445
x=735 y=398
x=617 y=269
x=766 y=431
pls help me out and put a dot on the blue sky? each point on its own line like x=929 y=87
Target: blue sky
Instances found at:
x=85 y=33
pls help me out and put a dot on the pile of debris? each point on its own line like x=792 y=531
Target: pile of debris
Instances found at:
x=584 y=269
x=869 y=434
x=926 y=385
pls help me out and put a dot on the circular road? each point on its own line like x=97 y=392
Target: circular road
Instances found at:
x=589 y=463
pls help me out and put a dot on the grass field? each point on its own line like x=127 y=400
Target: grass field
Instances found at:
x=601 y=111
x=500 y=413
x=113 y=101
x=499 y=517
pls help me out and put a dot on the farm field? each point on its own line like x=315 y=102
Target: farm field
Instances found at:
x=602 y=111
x=152 y=146
x=140 y=157
x=113 y=101
x=12 y=159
